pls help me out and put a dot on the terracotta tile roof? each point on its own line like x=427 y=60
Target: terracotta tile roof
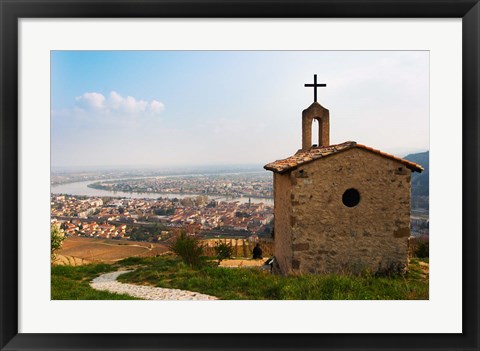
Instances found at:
x=315 y=153
x=414 y=167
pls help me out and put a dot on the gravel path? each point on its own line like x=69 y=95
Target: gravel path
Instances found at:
x=108 y=282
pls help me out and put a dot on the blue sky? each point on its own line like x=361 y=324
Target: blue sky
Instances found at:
x=177 y=108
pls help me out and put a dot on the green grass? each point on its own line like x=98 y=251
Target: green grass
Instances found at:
x=72 y=283
x=254 y=284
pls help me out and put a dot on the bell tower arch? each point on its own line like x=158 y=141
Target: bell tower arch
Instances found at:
x=322 y=115
x=315 y=112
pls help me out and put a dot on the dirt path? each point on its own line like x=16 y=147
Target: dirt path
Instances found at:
x=108 y=282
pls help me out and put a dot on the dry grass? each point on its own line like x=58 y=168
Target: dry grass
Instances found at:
x=105 y=250
x=62 y=260
x=241 y=263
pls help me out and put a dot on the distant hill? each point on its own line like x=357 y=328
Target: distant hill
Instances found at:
x=420 y=185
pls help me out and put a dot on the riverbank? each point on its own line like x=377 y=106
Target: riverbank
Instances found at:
x=83 y=189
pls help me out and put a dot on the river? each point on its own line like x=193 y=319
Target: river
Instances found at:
x=81 y=188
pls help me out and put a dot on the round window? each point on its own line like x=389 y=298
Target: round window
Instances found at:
x=351 y=197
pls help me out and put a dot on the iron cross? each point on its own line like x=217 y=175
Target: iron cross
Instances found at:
x=315 y=86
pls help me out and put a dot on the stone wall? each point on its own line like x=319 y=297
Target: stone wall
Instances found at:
x=282 y=211
x=329 y=237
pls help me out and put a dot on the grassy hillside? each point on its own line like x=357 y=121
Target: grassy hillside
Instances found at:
x=255 y=284
x=73 y=283
x=240 y=283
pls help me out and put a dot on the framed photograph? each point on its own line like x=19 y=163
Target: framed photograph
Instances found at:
x=250 y=175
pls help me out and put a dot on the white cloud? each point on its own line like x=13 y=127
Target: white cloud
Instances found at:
x=115 y=99
x=156 y=106
x=90 y=101
x=117 y=105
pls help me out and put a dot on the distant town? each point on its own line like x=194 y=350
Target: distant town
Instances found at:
x=226 y=205
x=229 y=185
x=155 y=220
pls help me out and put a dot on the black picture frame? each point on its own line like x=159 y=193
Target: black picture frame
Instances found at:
x=12 y=11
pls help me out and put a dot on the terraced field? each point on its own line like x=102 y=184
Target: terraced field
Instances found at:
x=89 y=250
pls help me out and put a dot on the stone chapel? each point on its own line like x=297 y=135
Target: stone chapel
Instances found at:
x=341 y=208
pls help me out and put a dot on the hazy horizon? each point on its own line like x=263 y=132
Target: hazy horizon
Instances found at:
x=243 y=167
x=166 y=109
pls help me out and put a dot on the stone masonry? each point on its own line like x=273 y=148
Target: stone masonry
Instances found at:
x=341 y=208
x=322 y=115
x=316 y=233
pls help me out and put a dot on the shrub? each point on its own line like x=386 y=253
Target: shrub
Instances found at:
x=56 y=241
x=422 y=248
x=223 y=251
x=189 y=249
x=391 y=270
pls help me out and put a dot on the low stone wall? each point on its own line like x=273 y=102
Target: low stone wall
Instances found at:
x=241 y=247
